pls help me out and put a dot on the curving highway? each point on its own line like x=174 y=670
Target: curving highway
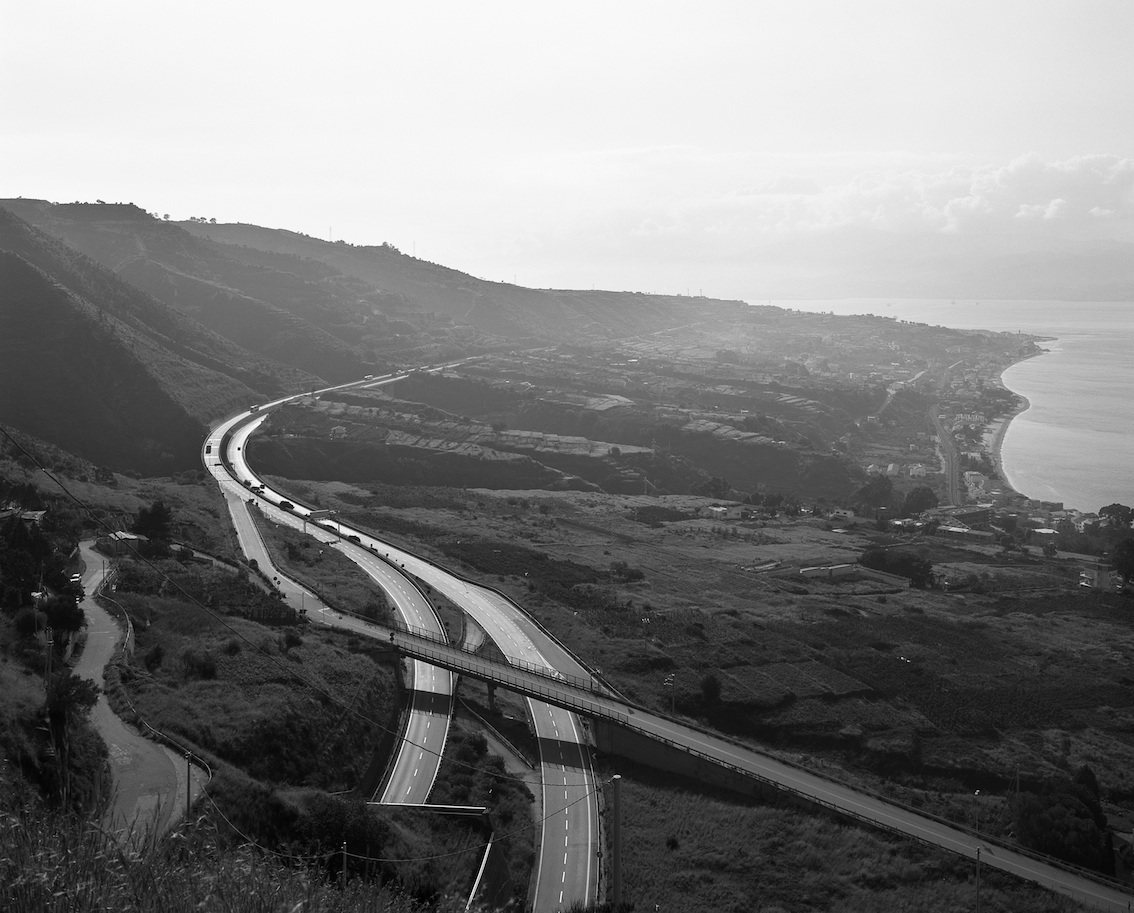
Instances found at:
x=414 y=771
x=567 y=869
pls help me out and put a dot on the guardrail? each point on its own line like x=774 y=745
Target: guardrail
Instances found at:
x=503 y=674
x=583 y=684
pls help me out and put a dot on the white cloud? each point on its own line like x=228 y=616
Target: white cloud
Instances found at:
x=1027 y=194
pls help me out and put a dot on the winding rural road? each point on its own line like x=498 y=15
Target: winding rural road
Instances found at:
x=150 y=780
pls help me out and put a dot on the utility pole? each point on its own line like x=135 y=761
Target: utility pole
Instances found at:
x=188 y=784
x=978 y=879
x=616 y=842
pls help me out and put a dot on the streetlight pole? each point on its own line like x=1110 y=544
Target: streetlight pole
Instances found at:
x=978 y=879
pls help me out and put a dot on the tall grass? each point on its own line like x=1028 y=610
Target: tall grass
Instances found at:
x=687 y=850
x=59 y=863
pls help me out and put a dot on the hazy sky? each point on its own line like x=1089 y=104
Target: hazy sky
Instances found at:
x=647 y=146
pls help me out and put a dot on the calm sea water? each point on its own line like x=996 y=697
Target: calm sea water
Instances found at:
x=1075 y=443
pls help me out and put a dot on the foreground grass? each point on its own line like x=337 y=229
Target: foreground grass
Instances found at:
x=686 y=850
x=59 y=863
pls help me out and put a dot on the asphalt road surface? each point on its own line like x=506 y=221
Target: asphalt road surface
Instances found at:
x=150 y=780
x=416 y=763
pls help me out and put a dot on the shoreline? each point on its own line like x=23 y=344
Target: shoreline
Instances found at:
x=995 y=446
x=998 y=427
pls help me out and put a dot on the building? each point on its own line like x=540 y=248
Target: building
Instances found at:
x=1094 y=573
x=976 y=517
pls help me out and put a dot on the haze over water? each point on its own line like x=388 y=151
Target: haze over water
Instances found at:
x=1075 y=443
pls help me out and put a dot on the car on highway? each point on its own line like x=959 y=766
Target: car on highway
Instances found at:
x=286 y=505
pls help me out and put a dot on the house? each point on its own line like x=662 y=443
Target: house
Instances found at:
x=719 y=512
x=1094 y=573
x=842 y=513
x=917 y=471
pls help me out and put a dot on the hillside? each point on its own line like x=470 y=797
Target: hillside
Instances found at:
x=83 y=381
x=498 y=308
x=98 y=367
x=291 y=316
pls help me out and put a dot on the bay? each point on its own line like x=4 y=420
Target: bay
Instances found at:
x=1075 y=442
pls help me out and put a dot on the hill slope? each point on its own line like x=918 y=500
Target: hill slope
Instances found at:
x=498 y=308
x=96 y=366
x=300 y=320
x=81 y=379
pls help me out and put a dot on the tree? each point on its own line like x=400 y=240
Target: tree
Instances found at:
x=875 y=493
x=1066 y=820
x=63 y=614
x=716 y=487
x=1119 y=514
x=917 y=568
x=1122 y=559
x=154 y=521
x=70 y=696
x=919 y=500
x=711 y=689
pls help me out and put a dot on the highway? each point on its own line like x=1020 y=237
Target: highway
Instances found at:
x=588 y=697
x=567 y=870
x=414 y=770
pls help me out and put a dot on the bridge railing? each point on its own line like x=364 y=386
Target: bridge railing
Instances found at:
x=576 y=681
x=525 y=681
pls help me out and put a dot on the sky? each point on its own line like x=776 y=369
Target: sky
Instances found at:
x=648 y=146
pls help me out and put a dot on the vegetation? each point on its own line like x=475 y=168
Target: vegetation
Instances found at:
x=918 y=568
x=689 y=848
x=324 y=570
x=51 y=862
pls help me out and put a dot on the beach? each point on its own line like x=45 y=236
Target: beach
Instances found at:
x=997 y=429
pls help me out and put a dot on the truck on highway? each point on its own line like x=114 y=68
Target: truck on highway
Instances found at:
x=255 y=408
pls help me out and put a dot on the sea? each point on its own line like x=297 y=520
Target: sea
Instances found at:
x=1075 y=442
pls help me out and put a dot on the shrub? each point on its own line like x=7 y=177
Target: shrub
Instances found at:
x=198 y=664
x=153 y=657
x=27 y=622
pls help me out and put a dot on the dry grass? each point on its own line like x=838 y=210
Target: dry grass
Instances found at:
x=56 y=864
x=685 y=850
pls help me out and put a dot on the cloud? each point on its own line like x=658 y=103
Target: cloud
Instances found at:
x=1085 y=195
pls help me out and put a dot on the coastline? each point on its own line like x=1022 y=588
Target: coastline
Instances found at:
x=995 y=444
x=998 y=428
